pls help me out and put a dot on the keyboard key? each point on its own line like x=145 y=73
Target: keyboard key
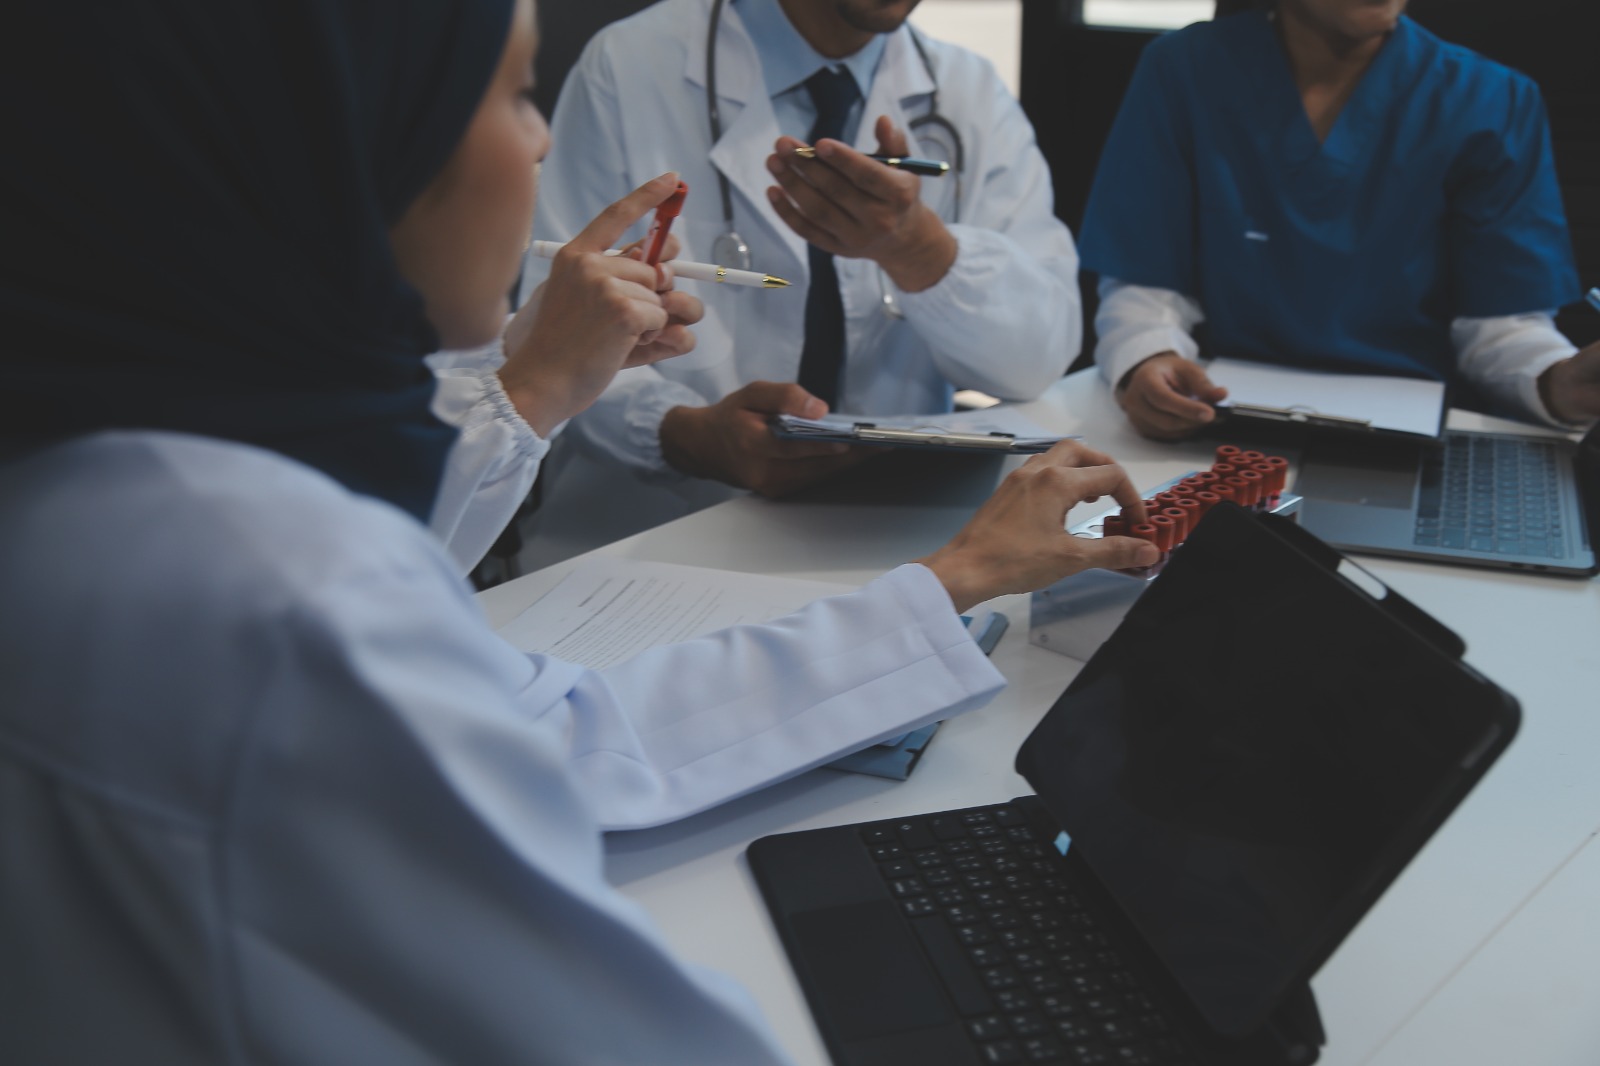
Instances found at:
x=1042 y=1049
x=1013 y=1000
x=989 y=1027
x=1003 y=1053
x=915 y=836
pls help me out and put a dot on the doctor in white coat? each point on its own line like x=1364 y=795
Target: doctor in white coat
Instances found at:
x=967 y=281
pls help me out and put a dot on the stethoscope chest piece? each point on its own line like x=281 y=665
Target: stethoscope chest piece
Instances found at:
x=729 y=250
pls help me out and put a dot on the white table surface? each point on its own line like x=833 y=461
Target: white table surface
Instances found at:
x=1485 y=949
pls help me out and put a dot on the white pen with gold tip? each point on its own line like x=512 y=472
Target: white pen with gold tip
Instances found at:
x=680 y=268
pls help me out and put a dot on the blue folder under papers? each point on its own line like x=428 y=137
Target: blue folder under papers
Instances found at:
x=896 y=757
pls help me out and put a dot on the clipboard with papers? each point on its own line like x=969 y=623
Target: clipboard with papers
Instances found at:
x=993 y=429
x=1291 y=400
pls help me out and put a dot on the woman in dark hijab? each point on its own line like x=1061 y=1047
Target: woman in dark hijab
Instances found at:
x=270 y=790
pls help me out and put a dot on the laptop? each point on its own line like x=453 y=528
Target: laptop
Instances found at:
x=1481 y=499
x=1224 y=790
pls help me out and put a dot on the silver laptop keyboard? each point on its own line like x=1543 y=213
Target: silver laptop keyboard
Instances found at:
x=1490 y=494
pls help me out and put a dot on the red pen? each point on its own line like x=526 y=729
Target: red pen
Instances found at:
x=656 y=239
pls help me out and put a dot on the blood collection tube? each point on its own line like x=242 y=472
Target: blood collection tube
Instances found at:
x=1207 y=500
x=1225 y=491
x=1145 y=531
x=1205 y=477
x=1115 y=525
x=1224 y=470
x=1280 y=468
x=1180 y=519
x=1257 y=485
x=1165 y=499
x=1247 y=458
x=1226 y=452
x=1241 y=491
x=1166 y=531
x=1191 y=507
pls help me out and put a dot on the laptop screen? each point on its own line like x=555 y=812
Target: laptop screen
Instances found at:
x=1252 y=757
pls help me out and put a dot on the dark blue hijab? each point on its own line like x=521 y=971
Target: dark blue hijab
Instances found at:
x=196 y=198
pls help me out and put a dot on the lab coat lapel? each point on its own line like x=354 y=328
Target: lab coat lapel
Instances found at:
x=749 y=128
x=898 y=83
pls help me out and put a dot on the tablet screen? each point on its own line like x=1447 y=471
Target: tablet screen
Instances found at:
x=1253 y=756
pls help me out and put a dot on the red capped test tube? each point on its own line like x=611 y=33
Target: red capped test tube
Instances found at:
x=1166 y=531
x=1207 y=499
x=1115 y=525
x=1192 y=509
x=1257 y=485
x=1180 y=520
x=1226 y=452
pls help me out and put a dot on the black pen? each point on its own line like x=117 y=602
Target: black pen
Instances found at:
x=928 y=168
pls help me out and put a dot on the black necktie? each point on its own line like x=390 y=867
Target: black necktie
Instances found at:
x=822 y=356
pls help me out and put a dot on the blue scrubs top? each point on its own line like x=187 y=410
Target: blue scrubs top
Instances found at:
x=1434 y=197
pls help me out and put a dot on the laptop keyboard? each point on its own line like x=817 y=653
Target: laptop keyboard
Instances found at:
x=1034 y=975
x=1491 y=494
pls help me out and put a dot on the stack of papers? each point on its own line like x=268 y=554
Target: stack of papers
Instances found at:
x=994 y=428
x=609 y=609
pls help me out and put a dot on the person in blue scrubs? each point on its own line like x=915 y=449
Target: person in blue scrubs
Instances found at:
x=1325 y=184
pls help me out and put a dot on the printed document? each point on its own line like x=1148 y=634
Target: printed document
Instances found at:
x=609 y=608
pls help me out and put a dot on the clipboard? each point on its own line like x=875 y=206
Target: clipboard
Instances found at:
x=931 y=437
x=1271 y=402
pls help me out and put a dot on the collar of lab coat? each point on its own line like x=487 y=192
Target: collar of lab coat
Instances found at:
x=747 y=136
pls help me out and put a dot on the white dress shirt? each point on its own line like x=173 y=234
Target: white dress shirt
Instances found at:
x=272 y=792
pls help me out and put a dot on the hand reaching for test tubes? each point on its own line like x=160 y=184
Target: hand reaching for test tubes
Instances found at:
x=1017 y=541
x=1251 y=479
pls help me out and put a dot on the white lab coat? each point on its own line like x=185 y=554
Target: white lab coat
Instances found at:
x=1006 y=319
x=271 y=791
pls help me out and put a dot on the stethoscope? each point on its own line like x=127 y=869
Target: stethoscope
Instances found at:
x=730 y=249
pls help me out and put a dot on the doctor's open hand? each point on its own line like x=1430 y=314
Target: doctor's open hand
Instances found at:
x=1571 y=388
x=595 y=315
x=853 y=206
x=1168 y=397
x=731 y=442
x=1018 y=542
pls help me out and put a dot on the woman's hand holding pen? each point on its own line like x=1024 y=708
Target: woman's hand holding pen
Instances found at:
x=1018 y=542
x=1168 y=397
x=595 y=315
x=851 y=205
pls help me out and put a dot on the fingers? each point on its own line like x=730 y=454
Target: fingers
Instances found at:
x=778 y=398
x=891 y=139
x=867 y=175
x=609 y=226
x=1118 y=553
x=802 y=226
x=1192 y=378
x=683 y=308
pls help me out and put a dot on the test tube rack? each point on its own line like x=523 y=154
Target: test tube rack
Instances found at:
x=1076 y=614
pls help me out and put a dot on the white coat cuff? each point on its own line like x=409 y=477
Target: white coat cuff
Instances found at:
x=642 y=427
x=1118 y=359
